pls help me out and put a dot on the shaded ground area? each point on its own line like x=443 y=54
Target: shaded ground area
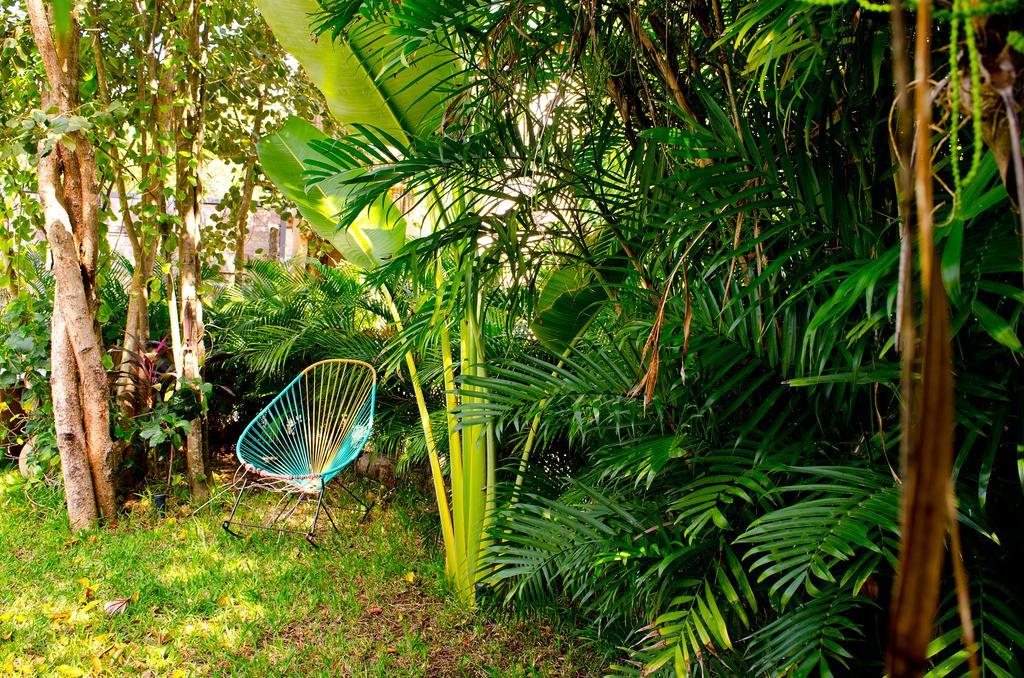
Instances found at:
x=371 y=601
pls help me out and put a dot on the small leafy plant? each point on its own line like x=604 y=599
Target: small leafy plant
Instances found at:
x=25 y=404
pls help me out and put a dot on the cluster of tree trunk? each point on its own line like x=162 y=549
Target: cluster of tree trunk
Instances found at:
x=70 y=200
x=69 y=194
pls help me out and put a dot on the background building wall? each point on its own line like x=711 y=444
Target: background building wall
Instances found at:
x=264 y=239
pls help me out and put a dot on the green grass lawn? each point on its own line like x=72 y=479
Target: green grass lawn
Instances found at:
x=371 y=601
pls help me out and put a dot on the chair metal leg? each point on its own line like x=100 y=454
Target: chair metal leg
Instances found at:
x=366 y=507
x=316 y=516
x=284 y=510
x=227 y=523
x=330 y=517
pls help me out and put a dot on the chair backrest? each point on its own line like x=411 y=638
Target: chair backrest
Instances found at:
x=316 y=426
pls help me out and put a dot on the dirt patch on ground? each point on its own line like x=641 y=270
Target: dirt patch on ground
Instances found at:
x=414 y=632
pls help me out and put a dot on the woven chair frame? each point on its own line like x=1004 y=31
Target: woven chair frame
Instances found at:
x=311 y=431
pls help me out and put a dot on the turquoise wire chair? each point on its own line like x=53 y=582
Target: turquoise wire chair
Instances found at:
x=306 y=436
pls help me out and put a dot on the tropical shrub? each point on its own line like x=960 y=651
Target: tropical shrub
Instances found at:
x=708 y=250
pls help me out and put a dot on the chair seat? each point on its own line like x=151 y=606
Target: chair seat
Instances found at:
x=309 y=484
x=314 y=428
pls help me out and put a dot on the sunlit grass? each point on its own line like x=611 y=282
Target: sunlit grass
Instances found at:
x=371 y=601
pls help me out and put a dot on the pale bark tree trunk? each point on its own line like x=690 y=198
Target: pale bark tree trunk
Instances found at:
x=81 y=499
x=190 y=149
x=177 y=349
x=70 y=200
x=67 y=414
x=193 y=351
x=78 y=320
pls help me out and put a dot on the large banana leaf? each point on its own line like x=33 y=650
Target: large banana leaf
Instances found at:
x=358 y=73
x=377 y=233
x=362 y=85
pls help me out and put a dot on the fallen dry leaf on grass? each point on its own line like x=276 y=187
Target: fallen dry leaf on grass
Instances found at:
x=157 y=639
x=119 y=605
x=88 y=589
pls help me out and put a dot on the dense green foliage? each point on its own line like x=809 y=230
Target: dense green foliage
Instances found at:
x=706 y=192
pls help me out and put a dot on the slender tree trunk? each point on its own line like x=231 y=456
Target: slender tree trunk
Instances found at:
x=136 y=328
x=70 y=200
x=245 y=200
x=242 y=226
x=177 y=349
x=131 y=392
x=927 y=506
x=190 y=150
x=132 y=395
x=192 y=342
